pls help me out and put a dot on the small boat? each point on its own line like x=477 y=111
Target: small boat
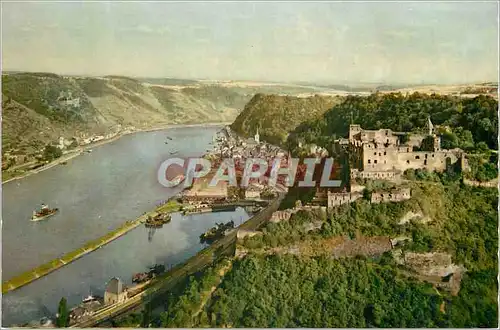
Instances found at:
x=89 y=298
x=173 y=152
x=168 y=137
x=166 y=142
x=64 y=163
x=43 y=213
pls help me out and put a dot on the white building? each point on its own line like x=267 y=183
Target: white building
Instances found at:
x=61 y=143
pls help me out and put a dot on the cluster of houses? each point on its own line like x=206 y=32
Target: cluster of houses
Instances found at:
x=232 y=146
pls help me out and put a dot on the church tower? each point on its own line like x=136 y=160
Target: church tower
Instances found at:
x=257 y=138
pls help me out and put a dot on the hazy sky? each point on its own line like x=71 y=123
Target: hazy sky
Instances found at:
x=328 y=42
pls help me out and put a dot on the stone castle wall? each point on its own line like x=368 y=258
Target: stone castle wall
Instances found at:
x=380 y=151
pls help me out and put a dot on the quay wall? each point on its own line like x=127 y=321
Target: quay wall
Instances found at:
x=53 y=265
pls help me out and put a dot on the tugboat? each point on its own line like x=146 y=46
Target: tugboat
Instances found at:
x=43 y=213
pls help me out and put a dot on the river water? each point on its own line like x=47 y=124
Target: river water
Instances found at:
x=95 y=193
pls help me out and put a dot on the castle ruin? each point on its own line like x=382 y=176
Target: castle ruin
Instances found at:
x=384 y=154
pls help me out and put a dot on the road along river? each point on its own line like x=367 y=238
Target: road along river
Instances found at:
x=95 y=193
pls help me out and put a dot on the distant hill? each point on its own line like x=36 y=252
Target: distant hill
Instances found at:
x=276 y=115
x=40 y=107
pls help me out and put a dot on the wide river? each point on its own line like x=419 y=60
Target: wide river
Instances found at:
x=95 y=193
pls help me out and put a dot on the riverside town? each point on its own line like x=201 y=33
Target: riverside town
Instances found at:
x=259 y=169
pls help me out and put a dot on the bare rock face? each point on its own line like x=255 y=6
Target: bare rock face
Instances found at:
x=431 y=264
x=414 y=216
x=433 y=267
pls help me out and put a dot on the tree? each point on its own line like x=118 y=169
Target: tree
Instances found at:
x=50 y=153
x=62 y=320
x=449 y=140
x=482 y=147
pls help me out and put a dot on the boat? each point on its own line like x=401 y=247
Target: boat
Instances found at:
x=88 y=151
x=140 y=277
x=166 y=142
x=157 y=221
x=173 y=152
x=156 y=269
x=64 y=163
x=89 y=298
x=43 y=213
x=168 y=137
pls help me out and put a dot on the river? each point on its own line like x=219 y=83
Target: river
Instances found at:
x=95 y=193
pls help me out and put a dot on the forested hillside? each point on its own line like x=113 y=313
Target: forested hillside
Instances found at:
x=73 y=106
x=275 y=116
x=469 y=121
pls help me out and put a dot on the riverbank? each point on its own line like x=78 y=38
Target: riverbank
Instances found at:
x=81 y=149
x=47 y=268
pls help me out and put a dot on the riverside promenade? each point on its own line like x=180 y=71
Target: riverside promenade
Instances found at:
x=53 y=265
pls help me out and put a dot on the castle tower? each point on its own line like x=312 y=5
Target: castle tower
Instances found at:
x=437 y=143
x=257 y=138
x=354 y=130
x=430 y=127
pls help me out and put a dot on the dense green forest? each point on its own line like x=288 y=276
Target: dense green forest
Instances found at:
x=290 y=291
x=472 y=120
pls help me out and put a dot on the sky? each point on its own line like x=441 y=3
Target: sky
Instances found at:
x=327 y=42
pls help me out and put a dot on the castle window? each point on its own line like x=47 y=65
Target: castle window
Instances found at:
x=375 y=161
x=385 y=162
x=369 y=161
x=417 y=157
x=425 y=162
x=385 y=153
x=432 y=155
x=408 y=162
x=425 y=156
x=379 y=154
x=374 y=154
x=407 y=149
